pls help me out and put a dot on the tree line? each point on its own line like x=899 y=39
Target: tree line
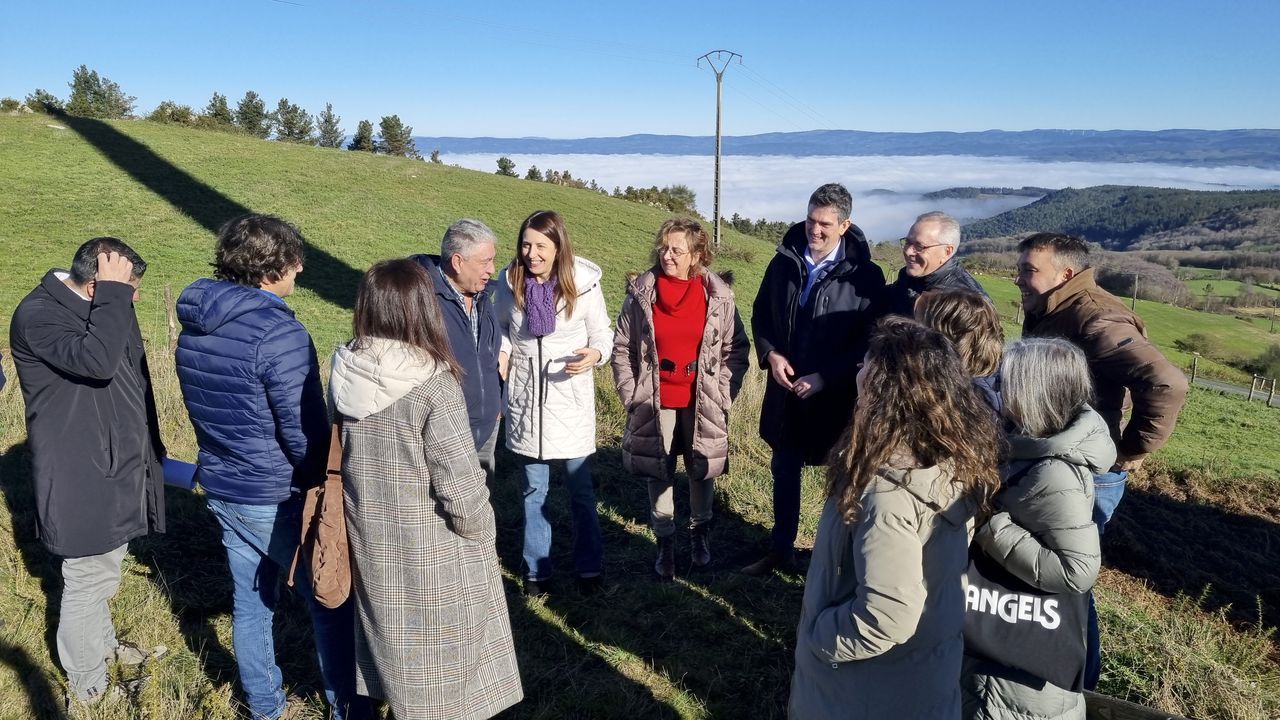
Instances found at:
x=95 y=96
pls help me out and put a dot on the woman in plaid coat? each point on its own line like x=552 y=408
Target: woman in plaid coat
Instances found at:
x=433 y=638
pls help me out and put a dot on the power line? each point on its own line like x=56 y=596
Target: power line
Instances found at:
x=787 y=97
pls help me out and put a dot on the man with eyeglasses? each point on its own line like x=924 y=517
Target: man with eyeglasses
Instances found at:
x=811 y=319
x=930 y=263
x=461 y=274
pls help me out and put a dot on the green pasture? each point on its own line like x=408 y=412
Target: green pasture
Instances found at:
x=1184 y=630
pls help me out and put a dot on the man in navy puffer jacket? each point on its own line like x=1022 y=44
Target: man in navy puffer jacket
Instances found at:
x=251 y=384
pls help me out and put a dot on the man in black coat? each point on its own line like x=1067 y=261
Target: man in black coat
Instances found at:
x=461 y=275
x=95 y=442
x=811 y=321
x=930 y=263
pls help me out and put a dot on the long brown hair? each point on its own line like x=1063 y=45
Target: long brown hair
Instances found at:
x=549 y=223
x=916 y=400
x=397 y=301
x=970 y=321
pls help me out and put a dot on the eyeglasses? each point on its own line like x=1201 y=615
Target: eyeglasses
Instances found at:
x=673 y=252
x=913 y=246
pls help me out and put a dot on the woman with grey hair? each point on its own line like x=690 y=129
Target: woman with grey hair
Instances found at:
x=1042 y=531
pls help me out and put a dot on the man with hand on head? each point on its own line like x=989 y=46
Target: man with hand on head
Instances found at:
x=929 y=263
x=461 y=275
x=811 y=320
x=95 y=444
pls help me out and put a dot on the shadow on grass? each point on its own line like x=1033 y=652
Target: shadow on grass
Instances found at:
x=326 y=276
x=1182 y=546
x=714 y=642
x=15 y=483
x=46 y=701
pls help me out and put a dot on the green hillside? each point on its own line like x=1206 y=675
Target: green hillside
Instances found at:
x=165 y=189
x=1188 y=615
x=1118 y=215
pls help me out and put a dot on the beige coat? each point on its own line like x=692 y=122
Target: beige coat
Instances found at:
x=433 y=638
x=883 y=610
x=722 y=362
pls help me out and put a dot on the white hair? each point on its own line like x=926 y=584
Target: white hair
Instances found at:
x=1045 y=383
x=463 y=236
x=948 y=227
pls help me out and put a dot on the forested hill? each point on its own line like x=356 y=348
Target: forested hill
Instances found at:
x=1118 y=216
x=1207 y=148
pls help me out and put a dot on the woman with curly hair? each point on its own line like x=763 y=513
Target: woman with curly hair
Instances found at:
x=880 y=624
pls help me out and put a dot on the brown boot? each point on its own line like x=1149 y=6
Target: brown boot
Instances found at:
x=665 y=565
x=700 y=546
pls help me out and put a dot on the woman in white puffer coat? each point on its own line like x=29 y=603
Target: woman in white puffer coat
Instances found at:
x=555 y=331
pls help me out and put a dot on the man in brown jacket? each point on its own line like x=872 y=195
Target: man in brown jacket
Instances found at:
x=1060 y=298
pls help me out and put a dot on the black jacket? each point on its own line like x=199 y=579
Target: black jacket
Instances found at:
x=91 y=417
x=900 y=296
x=481 y=385
x=828 y=336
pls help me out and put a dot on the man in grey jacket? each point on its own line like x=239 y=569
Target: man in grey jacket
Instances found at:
x=95 y=443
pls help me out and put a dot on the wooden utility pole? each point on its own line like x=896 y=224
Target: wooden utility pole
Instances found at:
x=718 y=61
x=1133 y=304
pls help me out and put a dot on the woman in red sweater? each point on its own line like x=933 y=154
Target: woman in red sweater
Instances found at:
x=680 y=352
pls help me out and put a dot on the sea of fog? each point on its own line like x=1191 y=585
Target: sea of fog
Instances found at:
x=777 y=187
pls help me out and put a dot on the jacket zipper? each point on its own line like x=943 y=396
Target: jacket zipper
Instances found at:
x=542 y=395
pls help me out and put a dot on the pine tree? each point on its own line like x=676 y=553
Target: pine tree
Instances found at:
x=435 y=157
x=293 y=124
x=396 y=138
x=331 y=135
x=363 y=140
x=506 y=167
x=97 y=97
x=251 y=115
x=534 y=174
x=42 y=100
x=218 y=113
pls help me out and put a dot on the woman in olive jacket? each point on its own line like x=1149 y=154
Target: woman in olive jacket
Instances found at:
x=679 y=354
x=1042 y=531
x=880 y=624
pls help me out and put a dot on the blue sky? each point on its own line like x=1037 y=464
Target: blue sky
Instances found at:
x=602 y=68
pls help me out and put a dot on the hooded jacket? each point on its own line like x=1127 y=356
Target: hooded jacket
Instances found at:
x=901 y=294
x=481 y=384
x=1043 y=533
x=723 y=357
x=828 y=335
x=433 y=638
x=883 y=609
x=550 y=414
x=91 y=417
x=251 y=384
x=1122 y=360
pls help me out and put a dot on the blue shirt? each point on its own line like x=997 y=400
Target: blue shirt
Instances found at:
x=817 y=271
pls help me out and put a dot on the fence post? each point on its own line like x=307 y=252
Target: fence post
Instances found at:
x=171 y=315
x=1253 y=385
x=1271 y=395
x=1195 y=366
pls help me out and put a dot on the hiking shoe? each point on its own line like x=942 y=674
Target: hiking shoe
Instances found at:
x=772 y=561
x=536 y=588
x=110 y=693
x=589 y=585
x=129 y=654
x=700 y=546
x=665 y=565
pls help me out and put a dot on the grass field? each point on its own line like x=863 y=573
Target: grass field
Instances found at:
x=1189 y=603
x=1229 y=288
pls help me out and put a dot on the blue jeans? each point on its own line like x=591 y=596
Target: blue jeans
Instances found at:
x=588 y=547
x=786 y=464
x=1108 y=488
x=260 y=542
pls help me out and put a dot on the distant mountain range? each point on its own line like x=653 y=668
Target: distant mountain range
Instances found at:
x=1124 y=217
x=1256 y=148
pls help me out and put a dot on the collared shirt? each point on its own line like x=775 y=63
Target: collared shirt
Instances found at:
x=819 y=270
x=472 y=314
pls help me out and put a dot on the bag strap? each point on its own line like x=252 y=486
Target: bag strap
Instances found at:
x=332 y=469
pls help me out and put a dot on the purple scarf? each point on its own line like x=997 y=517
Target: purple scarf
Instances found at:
x=540 y=306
